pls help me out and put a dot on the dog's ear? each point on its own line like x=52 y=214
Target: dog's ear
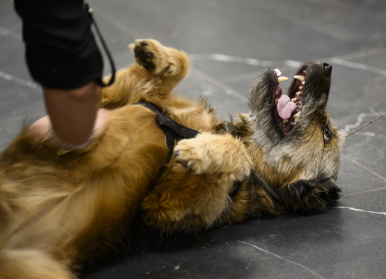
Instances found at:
x=314 y=196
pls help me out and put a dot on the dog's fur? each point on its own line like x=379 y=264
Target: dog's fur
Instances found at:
x=57 y=212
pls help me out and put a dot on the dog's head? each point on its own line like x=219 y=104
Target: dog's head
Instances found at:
x=294 y=135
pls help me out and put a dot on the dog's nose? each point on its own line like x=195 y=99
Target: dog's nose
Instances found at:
x=327 y=69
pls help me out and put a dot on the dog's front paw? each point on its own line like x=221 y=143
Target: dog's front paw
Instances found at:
x=210 y=154
x=154 y=57
x=188 y=155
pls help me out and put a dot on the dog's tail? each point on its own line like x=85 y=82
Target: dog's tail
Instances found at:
x=31 y=264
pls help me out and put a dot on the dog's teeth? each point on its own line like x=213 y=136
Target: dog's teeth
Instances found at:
x=280 y=79
x=294 y=100
x=296 y=116
x=300 y=87
x=301 y=78
x=303 y=82
x=285 y=121
x=305 y=71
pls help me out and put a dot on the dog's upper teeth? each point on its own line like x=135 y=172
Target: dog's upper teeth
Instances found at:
x=301 y=78
x=303 y=82
x=305 y=71
x=300 y=87
x=280 y=79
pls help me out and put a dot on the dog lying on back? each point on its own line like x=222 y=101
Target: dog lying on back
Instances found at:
x=58 y=212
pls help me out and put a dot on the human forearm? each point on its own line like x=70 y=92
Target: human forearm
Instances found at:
x=73 y=114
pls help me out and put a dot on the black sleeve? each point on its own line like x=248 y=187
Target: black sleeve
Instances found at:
x=60 y=48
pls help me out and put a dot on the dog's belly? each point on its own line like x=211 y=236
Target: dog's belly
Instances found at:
x=73 y=208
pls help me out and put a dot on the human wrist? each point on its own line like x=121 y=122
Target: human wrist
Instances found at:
x=65 y=147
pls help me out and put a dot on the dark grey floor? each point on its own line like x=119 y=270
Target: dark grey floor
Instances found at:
x=230 y=41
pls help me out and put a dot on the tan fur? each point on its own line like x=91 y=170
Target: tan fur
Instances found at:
x=58 y=212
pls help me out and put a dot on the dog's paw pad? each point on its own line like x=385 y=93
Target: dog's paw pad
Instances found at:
x=156 y=58
x=144 y=55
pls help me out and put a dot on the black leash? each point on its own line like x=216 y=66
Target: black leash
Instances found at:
x=112 y=65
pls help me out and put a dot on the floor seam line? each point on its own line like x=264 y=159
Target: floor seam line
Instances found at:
x=19 y=80
x=280 y=257
x=219 y=84
x=355 y=162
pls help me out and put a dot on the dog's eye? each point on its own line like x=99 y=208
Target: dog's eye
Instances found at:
x=327 y=135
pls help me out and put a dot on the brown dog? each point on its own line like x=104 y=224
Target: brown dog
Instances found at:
x=57 y=212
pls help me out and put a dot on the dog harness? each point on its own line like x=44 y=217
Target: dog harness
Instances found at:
x=174 y=131
x=171 y=128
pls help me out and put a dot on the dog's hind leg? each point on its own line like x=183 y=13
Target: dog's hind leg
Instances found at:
x=187 y=202
x=157 y=72
x=31 y=264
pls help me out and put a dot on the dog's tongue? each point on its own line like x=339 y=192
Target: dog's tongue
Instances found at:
x=285 y=107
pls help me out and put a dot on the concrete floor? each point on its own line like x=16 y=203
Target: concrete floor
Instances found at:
x=230 y=42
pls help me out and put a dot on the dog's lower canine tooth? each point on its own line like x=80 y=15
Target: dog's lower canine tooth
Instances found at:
x=280 y=79
x=296 y=116
x=294 y=100
x=301 y=78
x=285 y=121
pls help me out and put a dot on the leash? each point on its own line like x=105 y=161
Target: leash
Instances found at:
x=99 y=81
x=368 y=123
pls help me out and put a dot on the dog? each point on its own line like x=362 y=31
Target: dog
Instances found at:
x=58 y=213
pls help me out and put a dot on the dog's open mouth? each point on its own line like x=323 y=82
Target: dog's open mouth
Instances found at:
x=288 y=107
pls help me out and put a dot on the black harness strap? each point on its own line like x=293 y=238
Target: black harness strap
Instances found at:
x=171 y=128
x=173 y=131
